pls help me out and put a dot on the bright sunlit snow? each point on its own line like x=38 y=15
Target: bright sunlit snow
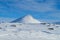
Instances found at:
x=29 y=29
x=27 y=19
x=19 y=31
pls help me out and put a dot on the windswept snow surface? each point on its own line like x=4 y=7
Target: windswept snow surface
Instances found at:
x=19 y=31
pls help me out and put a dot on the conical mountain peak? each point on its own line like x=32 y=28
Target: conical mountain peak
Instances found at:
x=29 y=15
x=27 y=19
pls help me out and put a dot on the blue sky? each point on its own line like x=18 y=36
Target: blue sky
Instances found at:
x=46 y=10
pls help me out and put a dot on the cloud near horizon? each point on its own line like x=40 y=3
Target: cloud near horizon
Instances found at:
x=34 y=5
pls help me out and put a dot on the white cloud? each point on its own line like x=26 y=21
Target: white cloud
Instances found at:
x=35 y=6
x=55 y=14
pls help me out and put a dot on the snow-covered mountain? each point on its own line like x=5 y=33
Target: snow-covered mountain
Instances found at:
x=27 y=19
x=17 y=31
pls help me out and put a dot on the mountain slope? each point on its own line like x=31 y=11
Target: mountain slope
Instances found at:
x=27 y=19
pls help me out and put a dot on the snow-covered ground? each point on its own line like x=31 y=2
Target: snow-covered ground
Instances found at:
x=22 y=31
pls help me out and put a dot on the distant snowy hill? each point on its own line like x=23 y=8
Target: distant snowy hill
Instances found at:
x=4 y=20
x=56 y=23
x=27 y=19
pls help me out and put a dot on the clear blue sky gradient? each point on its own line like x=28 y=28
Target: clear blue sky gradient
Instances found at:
x=40 y=9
